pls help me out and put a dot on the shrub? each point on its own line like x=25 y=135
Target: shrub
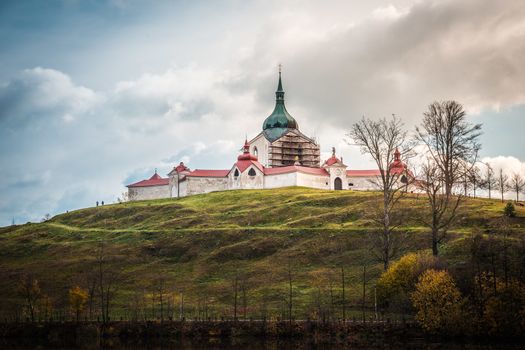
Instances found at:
x=438 y=302
x=509 y=210
x=397 y=283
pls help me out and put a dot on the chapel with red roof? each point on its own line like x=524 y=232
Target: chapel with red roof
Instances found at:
x=279 y=156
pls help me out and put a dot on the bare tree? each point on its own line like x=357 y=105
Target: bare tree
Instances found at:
x=290 y=292
x=343 y=301
x=107 y=277
x=517 y=183
x=29 y=288
x=475 y=179
x=503 y=183
x=235 y=294
x=442 y=206
x=380 y=139
x=489 y=181
x=450 y=139
x=160 y=289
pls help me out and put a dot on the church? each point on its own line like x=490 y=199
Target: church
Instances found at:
x=279 y=156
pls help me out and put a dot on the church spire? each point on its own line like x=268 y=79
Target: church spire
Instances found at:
x=279 y=94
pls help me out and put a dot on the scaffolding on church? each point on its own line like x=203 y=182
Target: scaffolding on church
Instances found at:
x=290 y=149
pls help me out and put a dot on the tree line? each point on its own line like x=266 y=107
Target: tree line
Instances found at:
x=447 y=148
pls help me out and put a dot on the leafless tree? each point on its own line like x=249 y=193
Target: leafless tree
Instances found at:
x=107 y=278
x=475 y=179
x=235 y=294
x=290 y=291
x=343 y=302
x=380 y=139
x=503 y=183
x=442 y=207
x=29 y=289
x=489 y=181
x=450 y=139
x=160 y=289
x=517 y=183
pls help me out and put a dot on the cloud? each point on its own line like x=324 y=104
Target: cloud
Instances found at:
x=191 y=95
x=37 y=93
x=509 y=165
x=400 y=60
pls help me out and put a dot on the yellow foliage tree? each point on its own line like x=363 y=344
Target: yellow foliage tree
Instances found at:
x=77 y=300
x=438 y=302
x=504 y=305
x=397 y=283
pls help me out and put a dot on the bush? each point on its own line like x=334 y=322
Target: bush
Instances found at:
x=438 y=303
x=509 y=210
x=397 y=283
x=504 y=306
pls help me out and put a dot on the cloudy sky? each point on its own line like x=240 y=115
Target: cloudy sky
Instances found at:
x=97 y=94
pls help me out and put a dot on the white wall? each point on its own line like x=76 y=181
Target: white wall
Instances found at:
x=361 y=183
x=149 y=192
x=245 y=181
x=196 y=185
x=262 y=149
x=314 y=181
x=280 y=180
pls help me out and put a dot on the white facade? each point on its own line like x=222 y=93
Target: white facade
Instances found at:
x=279 y=156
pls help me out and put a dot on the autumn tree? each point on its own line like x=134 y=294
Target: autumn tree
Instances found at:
x=395 y=285
x=517 y=183
x=437 y=302
x=442 y=206
x=450 y=140
x=77 y=300
x=380 y=140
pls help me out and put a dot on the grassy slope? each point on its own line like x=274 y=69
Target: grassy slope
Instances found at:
x=199 y=243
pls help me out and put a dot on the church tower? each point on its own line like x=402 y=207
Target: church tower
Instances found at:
x=281 y=143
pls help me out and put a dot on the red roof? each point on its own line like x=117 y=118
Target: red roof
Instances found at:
x=155 y=180
x=357 y=173
x=208 y=173
x=242 y=165
x=332 y=160
x=295 y=168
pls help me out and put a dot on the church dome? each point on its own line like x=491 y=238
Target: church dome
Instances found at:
x=278 y=123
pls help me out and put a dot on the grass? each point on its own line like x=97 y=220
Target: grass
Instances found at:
x=200 y=243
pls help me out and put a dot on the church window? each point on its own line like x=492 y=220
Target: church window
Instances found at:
x=350 y=184
x=255 y=152
x=236 y=173
x=404 y=179
x=251 y=172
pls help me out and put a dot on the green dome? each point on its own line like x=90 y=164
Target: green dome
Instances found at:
x=278 y=123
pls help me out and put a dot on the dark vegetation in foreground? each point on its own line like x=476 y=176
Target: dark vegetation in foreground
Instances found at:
x=284 y=254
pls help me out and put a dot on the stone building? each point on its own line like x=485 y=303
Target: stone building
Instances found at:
x=279 y=156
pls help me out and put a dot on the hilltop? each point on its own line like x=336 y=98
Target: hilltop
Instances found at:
x=199 y=243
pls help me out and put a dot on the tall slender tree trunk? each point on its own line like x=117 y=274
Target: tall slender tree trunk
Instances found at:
x=343 y=284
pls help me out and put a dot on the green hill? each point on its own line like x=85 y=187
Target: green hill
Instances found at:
x=197 y=245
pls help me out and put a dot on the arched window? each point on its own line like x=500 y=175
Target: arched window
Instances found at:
x=236 y=173
x=252 y=172
x=255 y=151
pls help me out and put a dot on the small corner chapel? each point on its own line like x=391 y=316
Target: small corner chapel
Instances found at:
x=279 y=156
